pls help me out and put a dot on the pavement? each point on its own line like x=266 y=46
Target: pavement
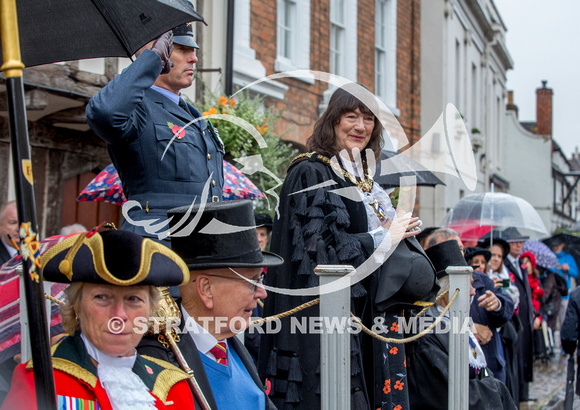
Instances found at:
x=549 y=385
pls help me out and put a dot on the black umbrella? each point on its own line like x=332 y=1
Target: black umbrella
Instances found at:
x=64 y=30
x=393 y=166
x=572 y=244
x=52 y=31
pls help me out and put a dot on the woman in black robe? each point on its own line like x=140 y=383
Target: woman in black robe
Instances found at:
x=331 y=212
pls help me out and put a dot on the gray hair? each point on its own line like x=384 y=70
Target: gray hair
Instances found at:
x=441 y=235
x=70 y=229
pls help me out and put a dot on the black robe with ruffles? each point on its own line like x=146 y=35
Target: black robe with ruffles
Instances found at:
x=319 y=226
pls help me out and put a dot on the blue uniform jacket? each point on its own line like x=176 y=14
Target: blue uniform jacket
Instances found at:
x=493 y=350
x=160 y=165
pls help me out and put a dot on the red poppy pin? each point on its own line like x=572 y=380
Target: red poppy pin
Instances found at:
x=177 y=130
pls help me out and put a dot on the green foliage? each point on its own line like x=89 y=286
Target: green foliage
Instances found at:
x=239 y=143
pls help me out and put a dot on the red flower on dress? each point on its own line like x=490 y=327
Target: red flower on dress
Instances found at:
x=395 y=327
x=387 y=388
x=268 y=387
x=399 y=385
x=397 y=407
x=394 y=350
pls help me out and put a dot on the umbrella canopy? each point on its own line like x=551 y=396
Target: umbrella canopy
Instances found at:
x=471 y=230
x=64 y=30
x=237 y=185
x=9 y=301
x=392 y=166
x=572 y=244
x=544 y=255
x=107 y=187
x=499 y=210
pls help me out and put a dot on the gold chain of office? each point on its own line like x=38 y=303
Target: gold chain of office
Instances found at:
x=365 y=185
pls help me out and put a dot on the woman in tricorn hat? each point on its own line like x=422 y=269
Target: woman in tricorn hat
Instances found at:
x=113 y=277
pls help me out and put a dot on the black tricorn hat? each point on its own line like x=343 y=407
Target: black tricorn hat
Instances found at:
x=445 y=254
x=263 y=220
x=476 y=250
x=183 y=35
x=113 y=257
x=224 y=236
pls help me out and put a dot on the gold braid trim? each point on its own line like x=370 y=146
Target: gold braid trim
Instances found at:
x=95 y=245
x=287 y=313
x=411 y=338
x=167 y=378
x=54 y=300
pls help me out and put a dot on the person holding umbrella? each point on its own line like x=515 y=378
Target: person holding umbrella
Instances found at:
x=113 y=277
x=163 y=149
x=568 y=270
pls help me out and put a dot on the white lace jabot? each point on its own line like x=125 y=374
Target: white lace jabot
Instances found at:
x=124 y=388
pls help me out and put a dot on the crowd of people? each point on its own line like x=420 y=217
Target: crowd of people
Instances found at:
x=331 y=212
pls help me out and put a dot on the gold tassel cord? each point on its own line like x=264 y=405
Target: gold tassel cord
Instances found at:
x=411 y=338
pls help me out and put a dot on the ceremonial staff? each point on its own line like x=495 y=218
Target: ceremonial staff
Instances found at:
x=169 y=309
x=26 y=205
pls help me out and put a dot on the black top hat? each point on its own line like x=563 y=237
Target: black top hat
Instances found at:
x=486 y=243
x=113 y=257
x=224 y=236
x=263 y=220
x=476 y=250
x=445 y=254
x=183 y=35
x=512 y=234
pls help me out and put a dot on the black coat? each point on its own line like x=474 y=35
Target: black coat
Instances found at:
x=428 y=375
x=493 y=350
x=150 y=346
x=526 y=318
x=4 y=254
x=320 y=226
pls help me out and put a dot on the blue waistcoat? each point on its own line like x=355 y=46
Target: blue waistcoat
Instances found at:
x=232 y=385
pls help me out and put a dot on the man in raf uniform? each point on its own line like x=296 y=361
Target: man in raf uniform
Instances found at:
x=164 y=150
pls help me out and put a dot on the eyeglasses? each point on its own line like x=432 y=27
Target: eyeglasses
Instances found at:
x=253 y=284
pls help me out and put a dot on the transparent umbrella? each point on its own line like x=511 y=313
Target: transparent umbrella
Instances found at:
x=497 y=211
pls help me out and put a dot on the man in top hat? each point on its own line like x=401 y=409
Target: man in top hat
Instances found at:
x=226 y=264
x=164 y=150
x=525 y=312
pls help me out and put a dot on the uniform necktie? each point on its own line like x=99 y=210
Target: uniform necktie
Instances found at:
x=183 y=105
x=220 y=352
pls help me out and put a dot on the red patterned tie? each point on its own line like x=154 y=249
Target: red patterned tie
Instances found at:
x=220 y=352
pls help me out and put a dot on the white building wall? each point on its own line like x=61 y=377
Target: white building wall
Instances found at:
x=528 y=163
x=460 y=65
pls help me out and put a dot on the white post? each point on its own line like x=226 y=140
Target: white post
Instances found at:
x=459 y=278
x=335 y=344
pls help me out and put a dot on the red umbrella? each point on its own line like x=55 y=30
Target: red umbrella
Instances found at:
x=107 y=186
x=10 y=305
x=470 y=230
